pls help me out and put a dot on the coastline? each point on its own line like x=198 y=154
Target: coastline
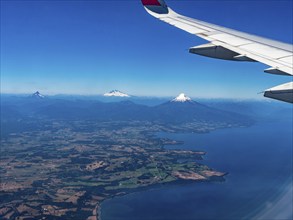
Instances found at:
x=181 y=182
x=217 y=178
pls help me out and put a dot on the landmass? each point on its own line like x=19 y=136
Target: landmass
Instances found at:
x=64 y=169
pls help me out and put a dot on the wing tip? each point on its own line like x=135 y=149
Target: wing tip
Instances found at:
x=150 y=2
x=156 y=6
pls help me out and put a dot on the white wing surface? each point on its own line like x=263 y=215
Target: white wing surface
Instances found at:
x=228 y=44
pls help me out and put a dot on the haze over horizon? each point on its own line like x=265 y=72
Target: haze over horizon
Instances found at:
x=133 y=96
x=89 y=48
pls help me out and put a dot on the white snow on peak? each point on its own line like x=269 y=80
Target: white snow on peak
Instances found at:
x=181 y=98
x=116 y=93
x=38 y=95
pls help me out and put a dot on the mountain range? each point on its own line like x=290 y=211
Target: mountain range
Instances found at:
x=180 y=110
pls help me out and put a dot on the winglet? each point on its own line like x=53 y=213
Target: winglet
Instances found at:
x=157 y=6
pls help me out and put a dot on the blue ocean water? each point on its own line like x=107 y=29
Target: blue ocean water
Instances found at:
x=258 y=186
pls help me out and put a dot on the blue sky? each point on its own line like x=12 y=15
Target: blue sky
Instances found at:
x=91 y=47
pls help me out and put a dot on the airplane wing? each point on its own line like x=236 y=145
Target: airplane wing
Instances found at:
x=228 y=44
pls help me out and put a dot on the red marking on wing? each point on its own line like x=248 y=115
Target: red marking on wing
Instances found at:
x=151 y=2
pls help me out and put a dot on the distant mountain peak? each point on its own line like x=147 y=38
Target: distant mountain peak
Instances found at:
x=37 y=94
x=116 y=93
x=181 y=98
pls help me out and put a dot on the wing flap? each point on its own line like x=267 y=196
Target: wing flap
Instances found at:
x=233 y=40
x=288 y=60
x=265 y=50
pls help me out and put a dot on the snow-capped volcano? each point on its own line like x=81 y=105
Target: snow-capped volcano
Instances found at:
x=181 y=98
x=38 y=95
x=116 y=93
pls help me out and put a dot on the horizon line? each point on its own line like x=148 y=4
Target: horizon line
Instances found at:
x=137 y=96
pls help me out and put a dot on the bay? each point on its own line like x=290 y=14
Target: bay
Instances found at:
x=258 y=186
